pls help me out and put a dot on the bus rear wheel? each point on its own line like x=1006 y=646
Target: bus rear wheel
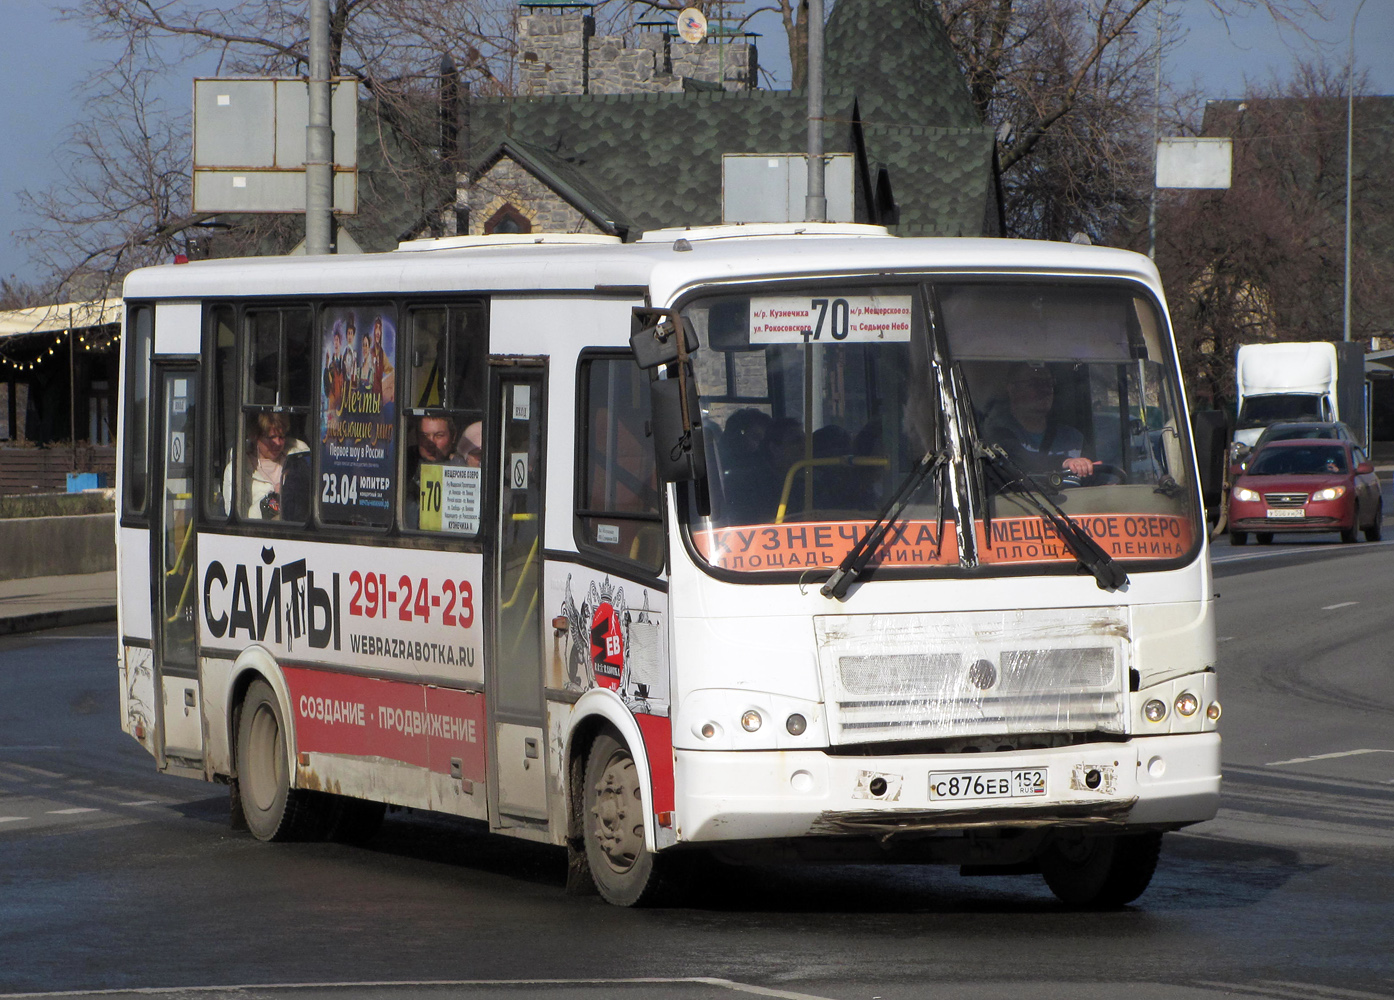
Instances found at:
x=272 y=808
x=1100 y=871
x=624 y=870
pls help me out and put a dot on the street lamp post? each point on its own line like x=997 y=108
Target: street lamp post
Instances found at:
x=1350 y=142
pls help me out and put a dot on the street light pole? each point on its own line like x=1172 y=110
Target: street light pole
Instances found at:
x=319 y=139
x=1350 y=143
x=815 y=200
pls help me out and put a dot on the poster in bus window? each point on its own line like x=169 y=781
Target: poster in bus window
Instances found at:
x=357 y=414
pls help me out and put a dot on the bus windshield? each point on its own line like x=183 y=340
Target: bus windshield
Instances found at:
x=818 y=402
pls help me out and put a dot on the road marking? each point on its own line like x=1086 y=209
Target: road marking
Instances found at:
x=12 y=819
x=1225 y=638
x=142 y=802
x=644 y=981
x=1343 y=604
x=1324 y=756
x=1288 y=550
x=34 y=770
x=73 y=811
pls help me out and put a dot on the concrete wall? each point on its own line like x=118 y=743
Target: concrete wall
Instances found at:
x=57 y=546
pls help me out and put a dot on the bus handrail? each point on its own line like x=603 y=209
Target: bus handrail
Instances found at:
x=811 y=463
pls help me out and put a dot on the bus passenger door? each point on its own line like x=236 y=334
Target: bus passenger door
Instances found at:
x=174 y=568
x=514 y=665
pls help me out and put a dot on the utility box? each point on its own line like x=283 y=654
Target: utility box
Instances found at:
x=772 y=188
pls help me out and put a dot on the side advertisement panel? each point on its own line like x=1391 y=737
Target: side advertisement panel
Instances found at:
x=368 y=717
x=400 y=613
x=616 y=637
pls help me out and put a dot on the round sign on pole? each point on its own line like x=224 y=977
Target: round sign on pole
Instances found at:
x=692 y=25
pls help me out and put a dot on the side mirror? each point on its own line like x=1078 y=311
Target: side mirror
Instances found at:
x=1210 y=433
x=653 y=337
x=1236 y=469
x=1364 y=469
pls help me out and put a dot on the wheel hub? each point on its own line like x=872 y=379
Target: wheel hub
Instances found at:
x=617 y=813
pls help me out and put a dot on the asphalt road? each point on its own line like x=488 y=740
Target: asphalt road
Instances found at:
x=113 y=877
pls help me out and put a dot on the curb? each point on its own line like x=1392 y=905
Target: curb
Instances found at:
x=57 y=619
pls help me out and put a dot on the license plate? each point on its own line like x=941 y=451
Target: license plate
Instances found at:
x=1287 y=511
x=987 y=784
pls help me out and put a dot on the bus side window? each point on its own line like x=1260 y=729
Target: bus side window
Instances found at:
x=140 y=325
x=618 y=511
x=443 y=418
x=269 y=471
x=221 y=409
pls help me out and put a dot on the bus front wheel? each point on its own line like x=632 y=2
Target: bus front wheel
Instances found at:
x=624 y=870
x=272 y=809
x=1102 y=871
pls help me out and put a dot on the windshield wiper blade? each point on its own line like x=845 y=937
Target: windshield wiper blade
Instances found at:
x=860 y=554
x=1087 y=552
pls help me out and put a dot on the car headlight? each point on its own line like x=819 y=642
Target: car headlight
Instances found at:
x=1248 y=496
x=1330 y=493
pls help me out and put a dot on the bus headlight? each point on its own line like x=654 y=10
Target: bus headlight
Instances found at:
x=1187 y=704
x=796 y=724
x=1213 y=711
x=751 y=721
x=1155 y=710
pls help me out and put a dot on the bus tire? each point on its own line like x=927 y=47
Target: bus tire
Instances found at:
x=1100 y=871
x=625 y=871
x=273 y=810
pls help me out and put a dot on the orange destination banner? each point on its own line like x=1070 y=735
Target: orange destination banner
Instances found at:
x=813 y=544
x=810 y=544
x=1123 y=536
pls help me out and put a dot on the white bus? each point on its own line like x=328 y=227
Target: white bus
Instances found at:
x=774 y=541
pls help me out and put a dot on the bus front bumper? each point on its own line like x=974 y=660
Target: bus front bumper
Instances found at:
x=1147 y=782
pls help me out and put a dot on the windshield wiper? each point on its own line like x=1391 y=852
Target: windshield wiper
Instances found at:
x=1087 y=552
x=860 y=554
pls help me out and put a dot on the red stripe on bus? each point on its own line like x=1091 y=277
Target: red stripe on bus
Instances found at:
x=370 y=717
x=658 y=744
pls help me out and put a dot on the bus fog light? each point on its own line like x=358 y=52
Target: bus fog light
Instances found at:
x=796 y=724
x=1187 y=704
x=1156 y=767
x=1155 y=710
x=1213 y=712
x=708 y=730
x=751 y=721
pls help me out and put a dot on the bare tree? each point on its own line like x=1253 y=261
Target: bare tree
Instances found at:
x=1069 y=88
x=123 y=192
x=123 y=198
x=1264 y=260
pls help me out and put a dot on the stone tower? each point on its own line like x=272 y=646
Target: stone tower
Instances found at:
x=561 y=54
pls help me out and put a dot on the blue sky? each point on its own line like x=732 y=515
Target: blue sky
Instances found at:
x=46 y=60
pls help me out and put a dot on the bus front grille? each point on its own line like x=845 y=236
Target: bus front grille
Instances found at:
x=974 y=673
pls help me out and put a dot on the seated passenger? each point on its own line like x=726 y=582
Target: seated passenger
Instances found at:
x=436 y=439
x=470 y=447
x=276 y=473
x=1026 y=427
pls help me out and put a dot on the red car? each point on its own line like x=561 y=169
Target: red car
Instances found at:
x=1305 y=485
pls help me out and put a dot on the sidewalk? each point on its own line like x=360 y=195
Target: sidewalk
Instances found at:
x=55 y=601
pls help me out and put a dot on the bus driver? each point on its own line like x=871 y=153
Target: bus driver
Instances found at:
x=1027 y=429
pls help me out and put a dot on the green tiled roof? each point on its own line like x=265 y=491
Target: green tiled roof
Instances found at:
x=896 y=57
x=646 y=161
